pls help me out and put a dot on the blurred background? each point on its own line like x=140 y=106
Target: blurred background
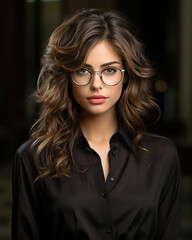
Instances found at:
x=165 y=26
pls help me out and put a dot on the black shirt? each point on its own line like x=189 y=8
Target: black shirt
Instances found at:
x=139 y=199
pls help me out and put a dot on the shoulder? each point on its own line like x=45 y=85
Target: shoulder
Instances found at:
x=25 y=154
x=24 y=170
x=158 y=143
x=161 y=149
x=24 y=149
x=23 y=157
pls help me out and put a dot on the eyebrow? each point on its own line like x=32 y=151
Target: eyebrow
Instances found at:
x=103 y=65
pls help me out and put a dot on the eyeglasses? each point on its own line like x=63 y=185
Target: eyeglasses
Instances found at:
x=109 y=76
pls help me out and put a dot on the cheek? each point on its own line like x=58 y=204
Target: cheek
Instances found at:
x=117 y=91
x=77 y=93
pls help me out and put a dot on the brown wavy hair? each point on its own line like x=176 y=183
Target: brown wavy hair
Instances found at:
x=57 y=127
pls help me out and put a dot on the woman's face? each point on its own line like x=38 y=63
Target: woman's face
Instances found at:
x=96 y=97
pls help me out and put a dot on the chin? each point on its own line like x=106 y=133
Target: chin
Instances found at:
x=98 y=110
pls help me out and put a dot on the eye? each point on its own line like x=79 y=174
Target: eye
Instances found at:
x=110 y=71
x=82 y=71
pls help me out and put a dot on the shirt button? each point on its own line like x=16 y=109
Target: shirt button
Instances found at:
x=111 y=179
x=114 y=153
x=104 y=195
x=109 y=230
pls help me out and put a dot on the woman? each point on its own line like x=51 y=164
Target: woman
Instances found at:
x=90 y=170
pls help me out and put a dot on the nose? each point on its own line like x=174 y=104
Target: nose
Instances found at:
x=96 y=82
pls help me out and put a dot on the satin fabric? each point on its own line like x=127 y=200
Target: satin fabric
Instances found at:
x=140 y=200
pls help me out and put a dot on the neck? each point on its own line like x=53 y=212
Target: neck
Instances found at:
x=98 y=127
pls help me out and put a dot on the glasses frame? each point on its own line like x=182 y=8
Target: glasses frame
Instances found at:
x=101 y=77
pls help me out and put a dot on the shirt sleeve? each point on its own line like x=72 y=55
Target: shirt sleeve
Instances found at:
x=25 y=205
x=169 y=205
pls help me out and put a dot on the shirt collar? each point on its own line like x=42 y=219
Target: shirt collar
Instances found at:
x=124 y=133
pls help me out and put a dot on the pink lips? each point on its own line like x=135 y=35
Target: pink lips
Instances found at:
x=97 y=99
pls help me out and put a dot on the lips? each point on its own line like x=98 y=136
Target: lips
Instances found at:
x=97 y=99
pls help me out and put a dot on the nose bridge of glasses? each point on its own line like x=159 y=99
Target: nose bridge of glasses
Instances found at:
x=96 y=81
x=99 y=73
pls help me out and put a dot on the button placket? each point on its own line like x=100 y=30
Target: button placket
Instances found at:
x=112 y=174
x=104 y=195
x=108 y=228
x=102 y=188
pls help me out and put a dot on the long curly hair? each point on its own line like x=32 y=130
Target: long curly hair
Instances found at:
x=57 y=127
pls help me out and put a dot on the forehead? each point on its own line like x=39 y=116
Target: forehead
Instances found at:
x=101 y=53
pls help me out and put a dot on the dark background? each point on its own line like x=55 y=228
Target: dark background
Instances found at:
x=165 y=26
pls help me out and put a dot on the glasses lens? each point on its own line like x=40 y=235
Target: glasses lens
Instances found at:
x=111 y=76
x=81 y=77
